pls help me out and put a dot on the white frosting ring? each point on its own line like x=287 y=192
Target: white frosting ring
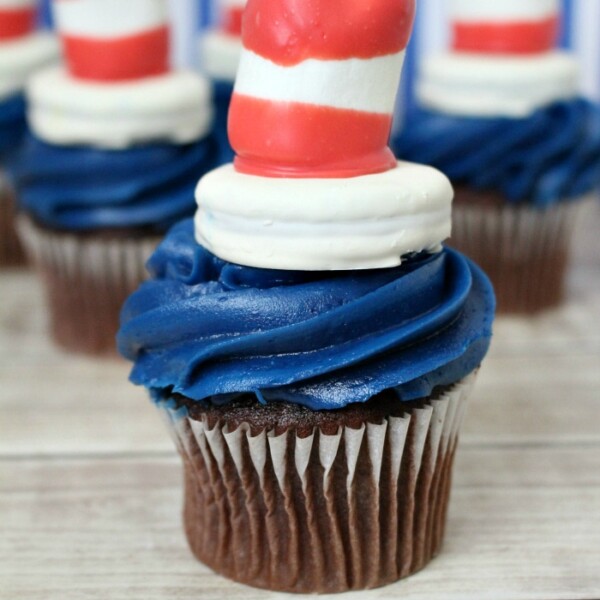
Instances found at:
x=220 y=54
x=484 y=86
x=173 y=108
x=366 y=222
x=20 y=58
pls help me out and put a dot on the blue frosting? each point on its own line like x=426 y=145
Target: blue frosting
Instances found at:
x=210 y=330
x=222 y=91
x=12 y=124
x=552 y=155
x=81 y=188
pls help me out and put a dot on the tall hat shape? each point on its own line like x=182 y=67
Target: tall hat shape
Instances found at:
x=231 y=16
x=314 y=185
x=17 y=19
x=505 y=26
x=114 y=40
x=316 y=86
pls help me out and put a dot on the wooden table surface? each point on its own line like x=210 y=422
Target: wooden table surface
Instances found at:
x=90 y=485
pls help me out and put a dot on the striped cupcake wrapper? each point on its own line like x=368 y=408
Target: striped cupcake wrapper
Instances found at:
x=322 y=513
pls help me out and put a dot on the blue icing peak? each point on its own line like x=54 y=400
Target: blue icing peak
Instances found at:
x=552 y=155
x=209 y=329
x=81 y=188
x=12 y=124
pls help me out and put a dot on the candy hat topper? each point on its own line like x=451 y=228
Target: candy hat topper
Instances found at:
x=316 y=86
x=114 y=40
x=231 y=17
x=17 y=19
x=505 y=26
x=314 y=186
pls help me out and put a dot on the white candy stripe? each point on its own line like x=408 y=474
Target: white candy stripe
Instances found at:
x=368 y=85
x=109 y=18
x=323 y=224
x=503 y=10
x=17 y=4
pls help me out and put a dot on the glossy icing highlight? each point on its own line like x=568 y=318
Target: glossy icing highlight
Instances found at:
x=210 y=330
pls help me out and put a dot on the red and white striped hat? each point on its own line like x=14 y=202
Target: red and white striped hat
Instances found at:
x=17 y=18
x=231 y=16
x=505 y=26
x=316 y=87
x=114 y=40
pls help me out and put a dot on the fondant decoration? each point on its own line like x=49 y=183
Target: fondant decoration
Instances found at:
x=117 y=90
x=503 y=61
x=22 y=50
x=505 y=26
x=232 y=16
x=114 y=40
x=17 y=18
x=314 y=185
x=315 y=224
x=220 y=48
x=173 y=108
x=316 y=86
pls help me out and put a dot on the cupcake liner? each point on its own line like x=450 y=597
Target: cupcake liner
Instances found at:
x=324 y=513
x=11 y=251
x=525 y=251
x=87 y=278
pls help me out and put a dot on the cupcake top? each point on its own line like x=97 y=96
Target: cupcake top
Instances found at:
x=23 y=50
x=117 y=90
x=314 y=270
x=118 y=139
x=504 y=80
x=314 y=184
x=212 y=330
x=220 y=48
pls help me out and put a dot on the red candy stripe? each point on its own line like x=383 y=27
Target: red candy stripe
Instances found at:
x=120 y=59
x=292 y=139
x=16 y=23
x=291 y=31
x=232 y=23
x=507 y=38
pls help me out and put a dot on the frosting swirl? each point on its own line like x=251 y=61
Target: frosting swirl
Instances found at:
x=81 y=188
x=210 y=330
x=12 y=123
x=552 y=155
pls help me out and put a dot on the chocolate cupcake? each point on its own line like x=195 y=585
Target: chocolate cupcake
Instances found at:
x=501 y=117
x=117 y=142
x=308 y=339
x=23 y=50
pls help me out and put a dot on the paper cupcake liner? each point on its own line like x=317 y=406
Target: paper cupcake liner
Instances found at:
x=323 y=513
x=11 y=251
x=87 y=279
x=525 y=251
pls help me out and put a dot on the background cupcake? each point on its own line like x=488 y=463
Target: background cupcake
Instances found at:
x=22 y=51
x=501 y=116
x=220 y=50
x=117 y=143
x=309 y=341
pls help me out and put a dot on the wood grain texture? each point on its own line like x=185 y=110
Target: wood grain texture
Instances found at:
x=90 y=486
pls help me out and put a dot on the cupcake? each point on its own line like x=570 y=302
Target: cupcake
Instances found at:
x=23 y=50
x=501 y=116
x=308 y=339
x=117 y=142
x=220 y=49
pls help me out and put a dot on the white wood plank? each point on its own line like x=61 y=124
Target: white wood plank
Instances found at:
x=110 y=529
